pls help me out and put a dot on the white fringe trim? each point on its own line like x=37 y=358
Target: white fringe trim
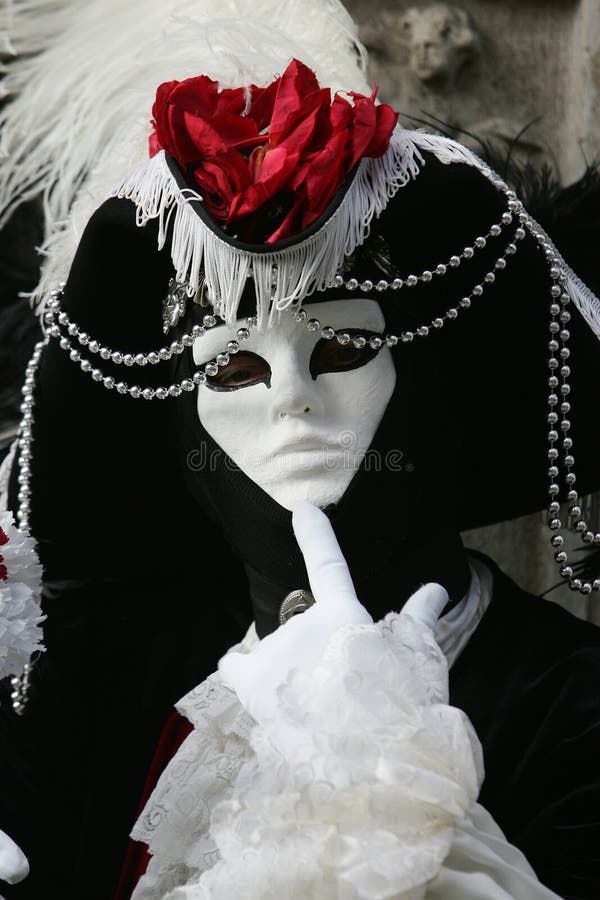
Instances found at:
x=582 y=296
x=282 y=278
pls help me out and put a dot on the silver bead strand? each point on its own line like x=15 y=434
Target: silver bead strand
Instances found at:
x=468 y=252
x=165 y=353
x=559 y=407
x=20 y=684
x=20 y=689
x=25 y=436
x=425 y=329
x=55 y=319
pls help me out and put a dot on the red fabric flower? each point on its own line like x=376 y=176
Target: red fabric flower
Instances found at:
x=267 y=161
x=3 y=538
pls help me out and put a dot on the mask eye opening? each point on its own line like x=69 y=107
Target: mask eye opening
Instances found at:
x=244 y=369
x=332 y=355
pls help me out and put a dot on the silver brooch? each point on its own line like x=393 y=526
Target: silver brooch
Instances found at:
x=294 y=603
x=174 y=304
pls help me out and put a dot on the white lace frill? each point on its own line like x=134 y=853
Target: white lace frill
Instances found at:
x=20 y=591
x=353 y=792
x=176 y=821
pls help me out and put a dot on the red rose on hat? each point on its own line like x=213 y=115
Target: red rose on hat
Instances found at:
x=267 y=161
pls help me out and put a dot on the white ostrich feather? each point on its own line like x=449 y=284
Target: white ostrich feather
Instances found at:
x=85 y=79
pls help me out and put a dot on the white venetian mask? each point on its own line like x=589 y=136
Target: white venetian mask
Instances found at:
x=296 y=412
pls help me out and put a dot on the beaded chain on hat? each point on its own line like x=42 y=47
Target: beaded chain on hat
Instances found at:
x=514 y=224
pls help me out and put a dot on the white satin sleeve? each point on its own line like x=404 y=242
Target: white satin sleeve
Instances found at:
x=483 y=865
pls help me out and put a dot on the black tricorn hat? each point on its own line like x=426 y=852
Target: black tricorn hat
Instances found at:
x=469 y=286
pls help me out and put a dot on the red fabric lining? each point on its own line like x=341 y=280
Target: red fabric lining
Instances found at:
x=137 y=857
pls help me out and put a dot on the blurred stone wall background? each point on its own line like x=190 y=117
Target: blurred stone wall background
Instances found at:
x=523 y=75
x=497 y=68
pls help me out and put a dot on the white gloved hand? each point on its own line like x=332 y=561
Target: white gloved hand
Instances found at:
x=301 y=641
x=13 y=862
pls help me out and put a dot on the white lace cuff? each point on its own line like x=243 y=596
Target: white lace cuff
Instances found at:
x=353 y=792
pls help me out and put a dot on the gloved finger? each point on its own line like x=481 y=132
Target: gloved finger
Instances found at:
x=426 y=604
x=14 y=866
x=328 y=572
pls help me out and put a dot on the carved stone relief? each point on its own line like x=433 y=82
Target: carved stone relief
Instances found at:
x=439 y=40
x=429 y=58
x=521 y=74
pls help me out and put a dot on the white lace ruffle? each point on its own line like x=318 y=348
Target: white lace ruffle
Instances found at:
x=353 y=793
x=175 y=823
x=20 y=590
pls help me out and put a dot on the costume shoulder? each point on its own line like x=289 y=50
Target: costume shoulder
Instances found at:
x=529 y=681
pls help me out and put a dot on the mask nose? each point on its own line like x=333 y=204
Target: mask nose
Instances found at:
x=296 y=395
x=299 y=401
